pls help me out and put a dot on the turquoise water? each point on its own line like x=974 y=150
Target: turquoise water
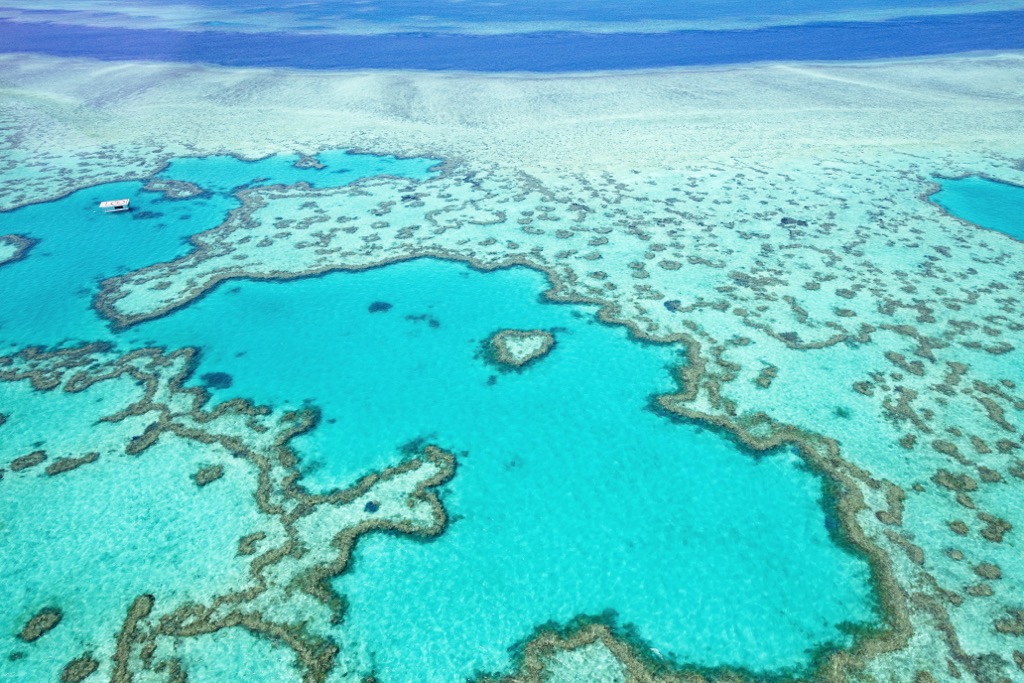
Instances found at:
x=90 y=541
x=80 y=245
x=571 y=497
x=991 y=204
x=47 y=297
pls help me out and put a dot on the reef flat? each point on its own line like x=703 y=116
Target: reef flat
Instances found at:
x=289 y=542
x=773 y=219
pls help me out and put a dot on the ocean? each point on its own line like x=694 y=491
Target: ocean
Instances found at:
x=544 y=51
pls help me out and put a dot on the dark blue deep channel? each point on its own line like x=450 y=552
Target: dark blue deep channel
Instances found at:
x=538 y=52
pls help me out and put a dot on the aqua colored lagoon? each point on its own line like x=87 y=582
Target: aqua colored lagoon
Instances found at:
x=571 y=498
x=47 y=298
x=984 y=202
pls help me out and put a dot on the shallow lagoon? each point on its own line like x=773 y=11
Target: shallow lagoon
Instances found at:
x=79 y=245
x=988 y=203
x=572 y=497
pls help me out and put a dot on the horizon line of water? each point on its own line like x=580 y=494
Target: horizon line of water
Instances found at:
x=546 y=52
x=478 y=18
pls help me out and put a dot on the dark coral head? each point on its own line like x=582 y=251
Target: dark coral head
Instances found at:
x=217 y=380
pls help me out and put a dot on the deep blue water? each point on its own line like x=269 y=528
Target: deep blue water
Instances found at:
x=421 y=12
x=538 y=52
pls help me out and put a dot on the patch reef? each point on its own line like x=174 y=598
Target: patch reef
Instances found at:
x=517 y=348
x=14 y=248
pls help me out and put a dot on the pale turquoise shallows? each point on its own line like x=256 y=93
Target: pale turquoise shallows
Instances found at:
x=993 y=205
x=572 y=496
x=225 y=173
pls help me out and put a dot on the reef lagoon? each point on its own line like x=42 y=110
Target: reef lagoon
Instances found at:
x=984 y=202
x=487 y=343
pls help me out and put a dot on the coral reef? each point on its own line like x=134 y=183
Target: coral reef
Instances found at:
x=14 y=248
x=41 y=624
x=774 y=220
x=518 y=348
x=308 y=537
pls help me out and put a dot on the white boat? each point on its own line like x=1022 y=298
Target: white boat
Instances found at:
x=115 y=205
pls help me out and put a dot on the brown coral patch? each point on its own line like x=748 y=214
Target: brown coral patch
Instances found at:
x=44 y=621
